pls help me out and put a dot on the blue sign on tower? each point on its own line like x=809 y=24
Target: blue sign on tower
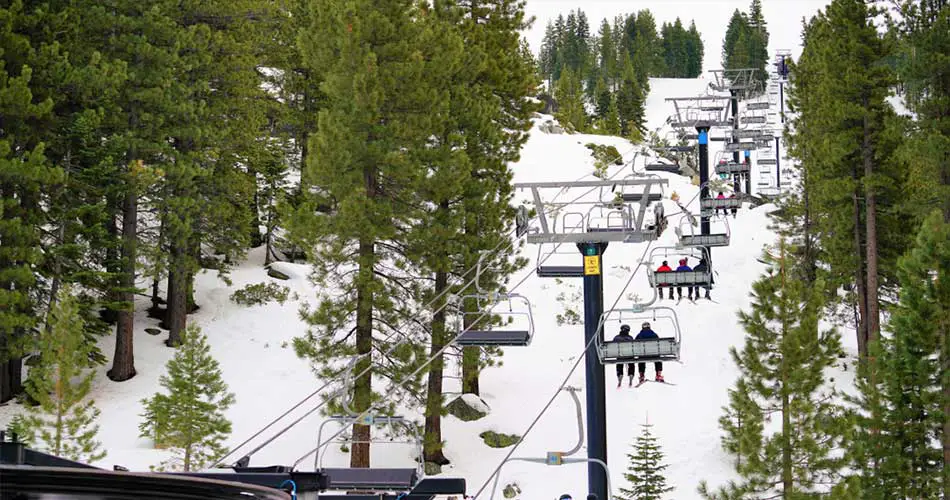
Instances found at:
x=703 y=137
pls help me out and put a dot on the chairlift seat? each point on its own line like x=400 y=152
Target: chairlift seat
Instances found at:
x=754 y=119
x=753 y=106
x=560 y=271
x=662 y=167
x=634 y=197
x=608 y=229
x=508 y=338
x=713 y=203
x=679 y=278
x=370 y=479
x=711 y=108
x=705 y=240
x=732 y=147
x=768 y=161
x=732 y=168
x=661 y=349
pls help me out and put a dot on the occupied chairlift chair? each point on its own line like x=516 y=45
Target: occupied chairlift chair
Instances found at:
x=679 y=278
x=644 y=350
x=516 y=332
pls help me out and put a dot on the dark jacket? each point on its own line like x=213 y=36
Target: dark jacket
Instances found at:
x=647 y=334
x=701 y=266
x=623 y=337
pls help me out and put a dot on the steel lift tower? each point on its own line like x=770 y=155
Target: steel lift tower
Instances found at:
x=617 y=213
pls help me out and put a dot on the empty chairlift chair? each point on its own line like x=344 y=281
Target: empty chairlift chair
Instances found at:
x=665 y=348
x=517 y=333
x=694 y=239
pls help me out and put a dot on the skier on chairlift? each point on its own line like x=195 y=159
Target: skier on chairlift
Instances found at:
x=720 y=196
x=734 y=210
x=679 y=289
x=647 y=333
x=703 y=266
x=625 y=336
x=665 y=268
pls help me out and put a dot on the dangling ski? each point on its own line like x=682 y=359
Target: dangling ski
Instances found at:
x=654 y=381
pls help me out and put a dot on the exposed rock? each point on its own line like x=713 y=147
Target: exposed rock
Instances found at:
x=273 y=273
x=153 y=331
x=468 y=407
x=551 y=127
x=498 y=440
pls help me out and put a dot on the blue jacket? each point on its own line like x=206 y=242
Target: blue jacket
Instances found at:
x=623 y=337
x=684 y=268
x=647 y=334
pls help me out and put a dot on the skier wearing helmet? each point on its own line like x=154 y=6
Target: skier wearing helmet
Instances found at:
x=647 y=333
x=625 y=336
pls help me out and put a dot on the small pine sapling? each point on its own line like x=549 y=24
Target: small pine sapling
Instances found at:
x=645 y=470
x=63 y=421
x=189 y=419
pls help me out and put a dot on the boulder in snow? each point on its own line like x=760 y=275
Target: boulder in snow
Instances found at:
x=468 y=407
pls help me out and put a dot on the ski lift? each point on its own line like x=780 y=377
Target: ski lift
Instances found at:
x=719 y=239
x=475 y=307
x=643 y=350
x=680 y=278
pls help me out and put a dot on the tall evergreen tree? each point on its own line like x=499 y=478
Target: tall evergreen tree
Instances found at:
x=486 y=205
x=856 y=181
x=645 y=470
x=782 y=368
x=63 y=422
x=189 y=419
x=899 y=451
x=25 y=174
x=375 y=64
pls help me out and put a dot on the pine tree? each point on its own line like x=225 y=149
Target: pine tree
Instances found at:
x=782 y=372
x=850 y=165
x=63 y=422
x=189 y=418
x=645 y=470
x=378 y=114
x=25 y=174
x=467 y=193
x=570 y=99
x=905 y=409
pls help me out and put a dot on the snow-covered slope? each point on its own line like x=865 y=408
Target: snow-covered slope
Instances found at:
x=266 y=376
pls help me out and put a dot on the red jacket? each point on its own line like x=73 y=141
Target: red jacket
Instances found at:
x=664 y=269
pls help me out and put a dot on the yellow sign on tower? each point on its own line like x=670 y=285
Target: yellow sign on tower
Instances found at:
x=591 y=264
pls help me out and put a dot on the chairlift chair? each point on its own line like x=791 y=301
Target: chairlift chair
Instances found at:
x=692 y=239
x=731 y=167
x=680 y=278
x=515 y=335
x=643 y=350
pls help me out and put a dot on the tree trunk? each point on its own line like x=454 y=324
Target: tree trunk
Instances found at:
x=363 y=386
x=123 y=362
x=432 y=445
x=860 y=284
x=177 y=295
x=787 y=483
x=110 y=315
x=156 y=299
x=873 y=304
x=471 y=362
